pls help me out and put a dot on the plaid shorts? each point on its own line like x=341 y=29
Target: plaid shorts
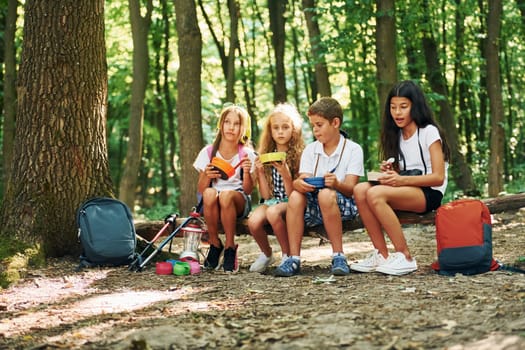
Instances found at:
x=313 y=216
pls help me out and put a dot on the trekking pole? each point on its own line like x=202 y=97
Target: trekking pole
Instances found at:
x=169 y=220
x=163 y=243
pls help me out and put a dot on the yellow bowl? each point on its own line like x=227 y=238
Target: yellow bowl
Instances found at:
x=272 y=157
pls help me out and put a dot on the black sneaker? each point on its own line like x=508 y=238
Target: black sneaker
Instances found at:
x=214 y=254
x=230 y=260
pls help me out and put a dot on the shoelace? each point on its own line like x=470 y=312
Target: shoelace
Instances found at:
x=288 y=265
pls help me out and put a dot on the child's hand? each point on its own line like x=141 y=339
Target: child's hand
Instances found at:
x=330 y=180
x=302 y=186
x=390 y=178
x=259 y=166
x=386 y=165
x=246 y=164
x=211 y=172
x=282 y=168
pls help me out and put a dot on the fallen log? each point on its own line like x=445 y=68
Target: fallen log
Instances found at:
x=148 y=229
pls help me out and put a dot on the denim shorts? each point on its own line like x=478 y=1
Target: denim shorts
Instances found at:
x=247 y=206
x=313 y=216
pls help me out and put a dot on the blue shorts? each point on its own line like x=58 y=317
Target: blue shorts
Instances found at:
x=313 y=216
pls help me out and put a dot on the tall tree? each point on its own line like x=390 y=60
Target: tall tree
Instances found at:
x=497 y=133
x=60 y=154
x=233 y=8
x=386 y=61
x=189 y=97
x=322 y=81
x=461 y=171
x=166 y=90
x=139 y=31
x=9 y=88
x=277 y=9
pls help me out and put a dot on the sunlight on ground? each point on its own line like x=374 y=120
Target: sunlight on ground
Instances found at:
x=97 y=305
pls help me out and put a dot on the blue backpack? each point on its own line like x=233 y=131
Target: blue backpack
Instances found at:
x=106 y=233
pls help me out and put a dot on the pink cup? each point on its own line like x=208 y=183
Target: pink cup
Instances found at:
x=195 y=267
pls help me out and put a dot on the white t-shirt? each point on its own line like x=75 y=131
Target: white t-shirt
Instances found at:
x=410 y=149
x=234 y=182
x=316 y=162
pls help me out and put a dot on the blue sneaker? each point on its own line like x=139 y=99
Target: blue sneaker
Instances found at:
x=288 y=268
x=340 y=266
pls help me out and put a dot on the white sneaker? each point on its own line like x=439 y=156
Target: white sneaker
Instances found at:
x=397 y=264
x=261 y=263
x=370 y=263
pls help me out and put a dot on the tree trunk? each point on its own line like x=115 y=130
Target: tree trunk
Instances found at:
x=316 y=48
x=171 y=132
x=60 y=154
x=497 y=134
x=233 y=8
x=461 y=171
x=277 y=27
x=386 y=62
x=139 y=31
x=189 y=98
x=9 y=90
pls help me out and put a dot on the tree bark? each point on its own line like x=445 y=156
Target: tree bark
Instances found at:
x=9 y=90
x=317 y=50
x=139 y=31
x=277 y=9
x=233 y=8
x=386 y=62
x=497 y=134
x=461 y=171
x=189 y=98
x=60 y=154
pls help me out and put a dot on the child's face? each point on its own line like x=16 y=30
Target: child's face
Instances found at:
x=400 y=111
x=231 y=127
x=324 y=130
x=282 y=128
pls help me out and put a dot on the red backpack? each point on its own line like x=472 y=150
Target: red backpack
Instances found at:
x=464 y=238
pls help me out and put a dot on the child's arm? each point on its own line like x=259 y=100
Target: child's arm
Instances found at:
x=264 y=188
x=435 y=178
x=247 y=181
x=284 y=170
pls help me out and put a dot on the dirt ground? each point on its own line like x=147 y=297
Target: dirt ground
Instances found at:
x=111 y=308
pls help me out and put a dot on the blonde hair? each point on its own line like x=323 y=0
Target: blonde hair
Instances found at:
x=295 y=145
x=245 y=131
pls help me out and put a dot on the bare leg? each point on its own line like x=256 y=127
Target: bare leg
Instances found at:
x=256 y=224
x=331 y=218
x=372 y=224
x=276 y=218
x=211 y=214
x=232 y=205
x=382 y=200
x=295 y=221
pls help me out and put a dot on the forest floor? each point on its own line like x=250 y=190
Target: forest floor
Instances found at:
x=111 y=308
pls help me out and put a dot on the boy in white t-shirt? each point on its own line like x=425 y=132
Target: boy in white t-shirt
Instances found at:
x=338 y=163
